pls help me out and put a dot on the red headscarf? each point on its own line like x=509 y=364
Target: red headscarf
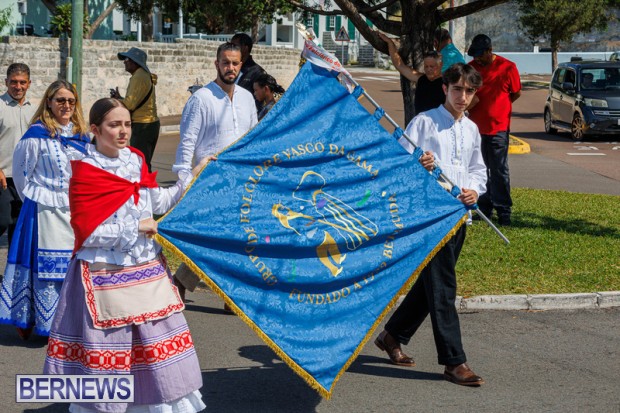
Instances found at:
x=95 y=194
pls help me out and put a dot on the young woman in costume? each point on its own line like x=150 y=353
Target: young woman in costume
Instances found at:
x=42 y=244
x=267 y=91
x=119 y=309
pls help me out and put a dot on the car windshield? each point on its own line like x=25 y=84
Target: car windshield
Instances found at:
x=594 y=78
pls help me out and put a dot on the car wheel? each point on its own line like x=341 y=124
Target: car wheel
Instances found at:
x=577 y=127
x=548 y=128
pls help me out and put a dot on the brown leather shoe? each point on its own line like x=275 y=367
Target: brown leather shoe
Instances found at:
x=388 y=344
x=461 y=374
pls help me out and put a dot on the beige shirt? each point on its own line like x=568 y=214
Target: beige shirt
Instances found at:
x=138 y=88
x=14 y=121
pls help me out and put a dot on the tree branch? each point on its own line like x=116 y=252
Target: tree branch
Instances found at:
x=101 y=18
x=50 y=4
x=466 y=9
x=355 y=7
x=379 y=6
x=352 y=12
x=433 y=4
x=316 y=11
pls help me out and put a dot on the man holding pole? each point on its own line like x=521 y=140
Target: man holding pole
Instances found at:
x=453 y=142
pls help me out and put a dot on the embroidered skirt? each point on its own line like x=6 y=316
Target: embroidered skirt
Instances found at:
x=38 y=258
x=159 y=352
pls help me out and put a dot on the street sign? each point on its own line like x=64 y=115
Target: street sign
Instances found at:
x=342 y=35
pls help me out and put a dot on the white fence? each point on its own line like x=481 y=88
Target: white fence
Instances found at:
x=540 y=63
x=169 y=38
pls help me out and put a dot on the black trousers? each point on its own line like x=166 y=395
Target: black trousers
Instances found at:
x=434 y=293
x=144 y=138
x=495 y=155
x=10 y=205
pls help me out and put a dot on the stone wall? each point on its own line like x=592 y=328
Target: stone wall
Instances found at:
x=501 y=24
x=177 y=65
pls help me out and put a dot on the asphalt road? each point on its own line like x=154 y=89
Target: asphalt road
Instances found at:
x=553 y=361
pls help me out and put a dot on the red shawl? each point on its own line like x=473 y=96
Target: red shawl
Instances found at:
x=95 y=194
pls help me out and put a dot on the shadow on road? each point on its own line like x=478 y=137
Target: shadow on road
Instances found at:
x=271 y=387
x=381 y=367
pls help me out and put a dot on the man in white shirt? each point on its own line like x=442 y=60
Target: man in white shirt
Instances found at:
x=451 y=141
x=16 y=112
x=214 y=117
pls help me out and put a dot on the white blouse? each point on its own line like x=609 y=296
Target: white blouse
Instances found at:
x=42 y=168
x=117 y=240
x=454 y=143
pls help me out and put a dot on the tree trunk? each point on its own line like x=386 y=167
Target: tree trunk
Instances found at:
x=255 y=30
x=555 y=47
x=147 y=27
x=419 y=23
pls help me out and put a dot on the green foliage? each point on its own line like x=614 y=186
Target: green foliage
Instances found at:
x=5 y=18
x=226 y=15
x=560 y=20
x=60 y=23
x=560 y=242
x=139 y=10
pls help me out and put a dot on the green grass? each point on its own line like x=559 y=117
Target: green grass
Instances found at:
x=560 y=242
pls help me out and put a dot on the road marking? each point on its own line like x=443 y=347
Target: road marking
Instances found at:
x=586 y=148
x=584 y=154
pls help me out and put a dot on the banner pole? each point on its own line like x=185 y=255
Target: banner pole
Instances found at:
x=327 y=60
x=445 y=178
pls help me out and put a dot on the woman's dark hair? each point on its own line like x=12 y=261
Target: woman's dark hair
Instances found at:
x=459 y=71
x=101 y=108
x=267 y=80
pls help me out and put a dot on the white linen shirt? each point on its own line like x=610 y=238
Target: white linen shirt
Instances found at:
x=42 y=169
x=211 y=122
x=117 y=240
x=455 y=145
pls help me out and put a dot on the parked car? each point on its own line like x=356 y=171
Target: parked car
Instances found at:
x=584 y=99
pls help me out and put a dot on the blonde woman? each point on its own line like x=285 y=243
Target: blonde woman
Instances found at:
x=43 y=240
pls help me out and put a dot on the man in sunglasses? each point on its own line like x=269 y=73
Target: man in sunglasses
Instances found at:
x=16 y=111
x=141 y=101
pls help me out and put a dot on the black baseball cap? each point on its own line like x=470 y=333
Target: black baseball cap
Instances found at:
x=479 y=45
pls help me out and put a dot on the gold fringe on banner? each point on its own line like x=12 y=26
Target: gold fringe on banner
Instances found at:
x=290 y=362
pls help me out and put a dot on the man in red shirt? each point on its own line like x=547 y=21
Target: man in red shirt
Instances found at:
x=491 y=112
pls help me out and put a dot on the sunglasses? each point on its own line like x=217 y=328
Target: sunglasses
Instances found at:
x=62 y=101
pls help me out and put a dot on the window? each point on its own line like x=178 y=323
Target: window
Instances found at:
x=331 y=23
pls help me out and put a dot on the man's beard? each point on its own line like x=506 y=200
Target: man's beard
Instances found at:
x=225 y=80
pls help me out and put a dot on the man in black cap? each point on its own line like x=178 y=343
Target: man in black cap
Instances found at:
x=141 y=101
x=250 y=70
x=491 y=112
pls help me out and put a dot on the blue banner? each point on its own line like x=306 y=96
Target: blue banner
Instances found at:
x=311 y=225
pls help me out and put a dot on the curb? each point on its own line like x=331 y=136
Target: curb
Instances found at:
x=518 y=146
x=527 y=302
x=540 y=302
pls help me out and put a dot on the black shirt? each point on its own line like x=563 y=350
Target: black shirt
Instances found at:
x=428 y=94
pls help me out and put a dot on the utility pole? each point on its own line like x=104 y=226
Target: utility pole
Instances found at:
x=181 y=28
x=77 y=33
